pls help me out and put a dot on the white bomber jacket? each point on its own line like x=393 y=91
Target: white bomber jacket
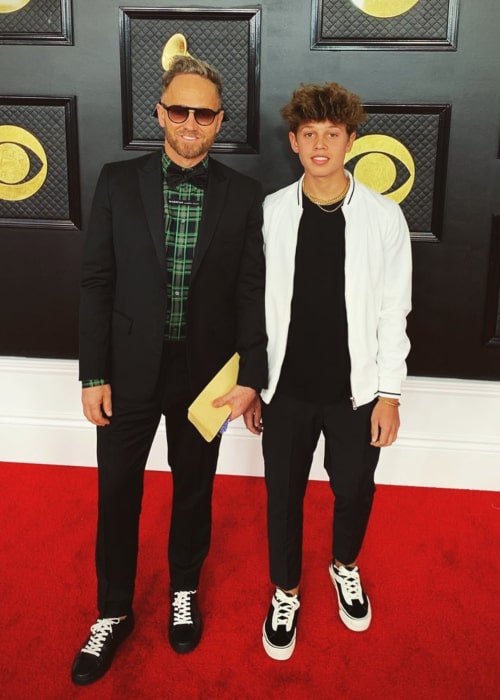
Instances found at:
x=377 y=286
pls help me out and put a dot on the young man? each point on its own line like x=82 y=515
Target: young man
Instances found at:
x=337 y=295
x=172 y=285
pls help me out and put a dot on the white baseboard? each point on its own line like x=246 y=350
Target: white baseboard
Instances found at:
x=449 y=437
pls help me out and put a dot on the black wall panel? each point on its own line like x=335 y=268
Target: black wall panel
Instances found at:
x=454 y=294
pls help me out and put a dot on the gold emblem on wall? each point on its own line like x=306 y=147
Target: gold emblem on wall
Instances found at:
x=15 y=163
x=175 y=46
x=12 y=5
x=384 y=8
x=376 y=167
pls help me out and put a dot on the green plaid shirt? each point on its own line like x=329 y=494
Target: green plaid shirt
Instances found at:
x=183 y=207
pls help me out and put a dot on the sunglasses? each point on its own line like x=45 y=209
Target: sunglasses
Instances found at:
x=179 y=114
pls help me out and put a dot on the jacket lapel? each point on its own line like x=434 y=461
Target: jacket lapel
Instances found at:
x=213 y=206
x=151 y=189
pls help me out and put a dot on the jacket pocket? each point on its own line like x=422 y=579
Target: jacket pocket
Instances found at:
x=122 y=323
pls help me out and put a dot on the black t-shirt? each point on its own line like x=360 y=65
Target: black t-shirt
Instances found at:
x=316 y=367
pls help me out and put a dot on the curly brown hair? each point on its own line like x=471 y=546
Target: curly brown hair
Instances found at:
x=328 y=102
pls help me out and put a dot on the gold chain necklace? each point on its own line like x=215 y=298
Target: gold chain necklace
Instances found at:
x=322 y=203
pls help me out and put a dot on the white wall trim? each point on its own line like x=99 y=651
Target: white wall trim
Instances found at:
x=450 y=433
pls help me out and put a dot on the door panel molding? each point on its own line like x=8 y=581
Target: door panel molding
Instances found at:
x=492 y=304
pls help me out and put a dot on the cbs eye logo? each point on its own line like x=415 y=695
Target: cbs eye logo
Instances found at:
x=20 y=154
x=384 y=8
x=12 y=5
x=377 y=163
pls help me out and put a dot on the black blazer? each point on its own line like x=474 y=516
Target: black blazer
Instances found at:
x=123 y=301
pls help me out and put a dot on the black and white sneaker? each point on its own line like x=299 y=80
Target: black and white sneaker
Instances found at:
x=98 y=652
x=354 y=606
x=185 y=626
x=280 y=627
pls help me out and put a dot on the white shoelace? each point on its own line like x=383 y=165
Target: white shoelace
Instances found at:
x=284 y=610
x=182 y=607
x=98 y=635
x=351 y=584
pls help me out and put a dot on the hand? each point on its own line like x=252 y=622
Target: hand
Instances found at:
x=238 y=400
x=253 y=416
x=385 y=424
x=97 y=407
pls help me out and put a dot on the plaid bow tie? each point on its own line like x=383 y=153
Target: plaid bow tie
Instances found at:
x=197 y=176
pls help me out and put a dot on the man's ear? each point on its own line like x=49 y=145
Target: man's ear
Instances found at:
x=350 y=142
x=160 y=113
x=220 y=119
x=293 y=141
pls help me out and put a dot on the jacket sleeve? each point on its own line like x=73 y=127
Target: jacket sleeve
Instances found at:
x=251 y=325
x=97 y=287
x=393 y=343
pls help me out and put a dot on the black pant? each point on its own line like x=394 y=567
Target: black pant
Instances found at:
x=291 y=432
x=122 y=451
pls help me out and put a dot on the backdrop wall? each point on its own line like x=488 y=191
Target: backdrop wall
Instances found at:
x=455 y=323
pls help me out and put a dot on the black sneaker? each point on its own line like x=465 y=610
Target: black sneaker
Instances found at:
x=280 y=627
x=184 y=628
x=354 y=606
x=96 y=656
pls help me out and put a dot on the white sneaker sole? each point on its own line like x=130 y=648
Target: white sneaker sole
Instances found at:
x=353 y=623
x=278 y=653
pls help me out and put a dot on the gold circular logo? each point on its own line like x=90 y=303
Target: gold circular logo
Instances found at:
x=12 y=5
x=384 y=8
x=375 y=164
x=15 y=144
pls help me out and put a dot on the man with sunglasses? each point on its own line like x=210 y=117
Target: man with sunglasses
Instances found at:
x=172 y=286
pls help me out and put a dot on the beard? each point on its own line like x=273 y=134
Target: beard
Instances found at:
x=186 y=149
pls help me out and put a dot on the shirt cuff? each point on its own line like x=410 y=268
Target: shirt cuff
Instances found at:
x=89 y=383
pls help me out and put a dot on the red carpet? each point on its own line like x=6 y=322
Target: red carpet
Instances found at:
x=430 y=564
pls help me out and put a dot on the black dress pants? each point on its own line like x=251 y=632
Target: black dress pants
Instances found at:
x=290 y=436
x=122 y=452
